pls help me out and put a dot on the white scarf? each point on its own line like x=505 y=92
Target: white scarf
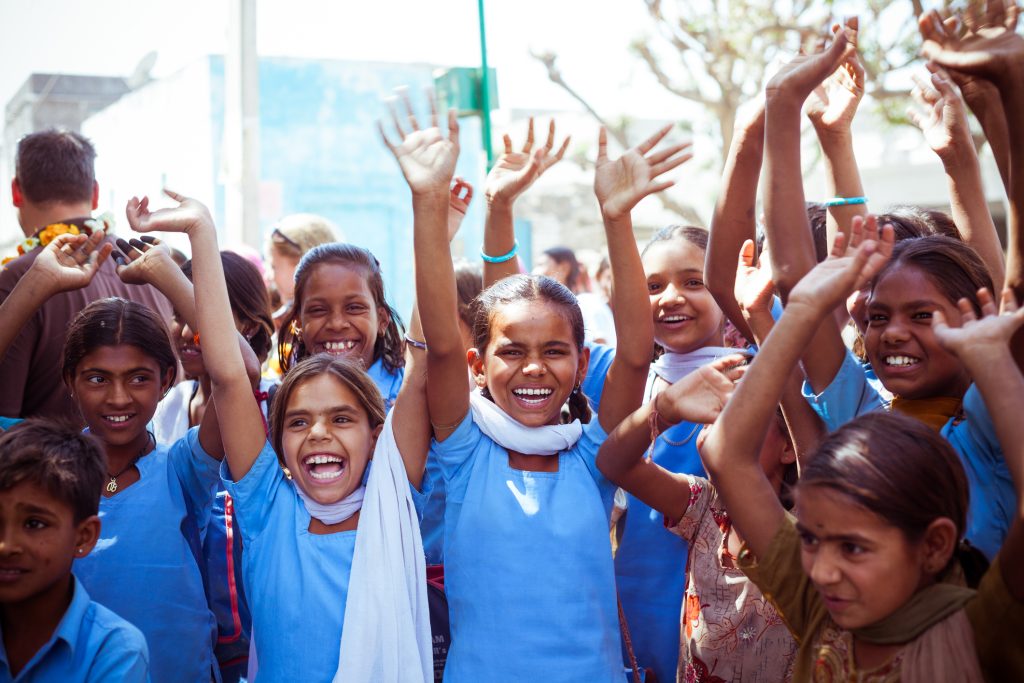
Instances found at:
x=672 y=367
x=514 y=436
x=333 y=513
x=386 y=633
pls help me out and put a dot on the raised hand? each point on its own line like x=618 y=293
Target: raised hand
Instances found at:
x=427 y=157
x=189 y=215
x=974 y=338
x=940 y=113
x=754 y=287
x=459 y=197
x=989 y=46
x=701 y=395
x=70 y=261
x=847 y=268
x=832 y=105
x=514 y=171
x=801 y=75
x=142 y=261
x=621 y=183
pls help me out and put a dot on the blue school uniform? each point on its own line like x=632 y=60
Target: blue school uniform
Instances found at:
x=389 y=382
x=528 y=570
x=973 y=436
x=650 y=564
x=147 y=565
x=91 y=644
x=297 y=581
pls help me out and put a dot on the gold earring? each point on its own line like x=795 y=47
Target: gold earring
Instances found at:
x=287 y=473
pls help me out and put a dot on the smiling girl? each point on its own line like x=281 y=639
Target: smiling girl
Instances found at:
x=299 y=498
x=340 y=310
x=118 y=363
x=866 y=574
x=528 y=568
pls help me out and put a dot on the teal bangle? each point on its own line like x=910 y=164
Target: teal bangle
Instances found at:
x=504 y=257
x=846 y=201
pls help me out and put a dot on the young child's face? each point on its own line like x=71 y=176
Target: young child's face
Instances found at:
x=117 y=389
x=339 y=315
x=863 y=567
x=282 y=271
x=327 y=438
x=39 y=539
x=189 y=353
x=899 y=340
x=531 y=363
x=686 y=316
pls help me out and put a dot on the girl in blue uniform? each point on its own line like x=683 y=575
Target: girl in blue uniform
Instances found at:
x=528 y=568
x=299 y=499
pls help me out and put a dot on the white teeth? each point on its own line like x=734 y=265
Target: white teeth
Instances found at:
x=326 y=475
x=118 y=418
x=526 y=391
x=675 y=318
x=321 y=459
x=900 y=361
x=339 y=346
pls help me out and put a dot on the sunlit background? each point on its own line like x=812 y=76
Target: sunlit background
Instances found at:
x=159 y=87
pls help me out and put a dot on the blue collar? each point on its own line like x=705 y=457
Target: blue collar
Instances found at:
x=67 y=630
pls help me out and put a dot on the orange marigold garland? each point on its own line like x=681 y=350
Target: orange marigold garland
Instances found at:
x=47 y=234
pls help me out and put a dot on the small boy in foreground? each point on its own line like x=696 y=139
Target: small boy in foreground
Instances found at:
x=50 y=482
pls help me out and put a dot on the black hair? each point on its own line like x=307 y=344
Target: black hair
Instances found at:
x=55 y=166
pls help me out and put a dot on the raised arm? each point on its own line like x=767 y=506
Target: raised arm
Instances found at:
x=68 y=262
x=427 y=159
x=146 y=261
x=981 y=95
x=942 y=117
x=786 y=223
x=511 y=175
x=983 y=346
x=735 y=217
x=619 y=185
x=698 y=398
x=238 y=413
x=831 y=108
x=730 y=451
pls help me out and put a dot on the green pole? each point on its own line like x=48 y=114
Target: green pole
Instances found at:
x=485 y=85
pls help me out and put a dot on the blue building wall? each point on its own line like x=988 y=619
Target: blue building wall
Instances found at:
x=319 y=142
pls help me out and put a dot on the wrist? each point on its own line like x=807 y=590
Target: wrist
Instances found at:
x=431 y=196
x=614 y=216
x=833 y=136
x=498 y=202
x=40 y=284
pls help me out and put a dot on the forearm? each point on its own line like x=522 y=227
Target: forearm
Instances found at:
x=411 y=420
x=436 y=296
x=1013 y=105
x=786 y=224
x=970 y=210
x=806 y=429
x=624 y=448
x=213 y=313
x=173 y=284
x=987 y=107
x=843 y=178
x=28 y=295
x=634 y=327
x=499 y=239
x=733 y=223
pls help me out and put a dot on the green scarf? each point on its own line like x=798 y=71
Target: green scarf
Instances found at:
x=925 y=609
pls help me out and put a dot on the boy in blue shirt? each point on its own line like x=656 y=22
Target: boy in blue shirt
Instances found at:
x=50 y=482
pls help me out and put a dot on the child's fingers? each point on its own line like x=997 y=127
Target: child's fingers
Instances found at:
x=658 y=187
x=602 y=144
x=394 y=118
x=170 y=193
x=1008 y=301
x=432 y=99
x=150 y=239
x=647 y=145
x=403 y=94
x=839 y=245
x=747 y=254
x=127 y=249
x=528 y=145
x=667 y=166
x=986 y=302
x=966 y=309
x=384 y=137
x=508 y=143
x=101 y=255
x=939 y=323
x=453 y=126
x=662 y=155
x=549 y=144
x=995 y=12
x=561 y=150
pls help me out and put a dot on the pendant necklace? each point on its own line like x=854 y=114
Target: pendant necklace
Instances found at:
x=112 y=484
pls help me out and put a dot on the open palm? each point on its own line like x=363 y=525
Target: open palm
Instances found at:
x=427 y=158
x=188 y=215
x=70 y=261
x=833 y=104
x=990 y=47
x=974 y=334
x=515 y=171
x=621 y=183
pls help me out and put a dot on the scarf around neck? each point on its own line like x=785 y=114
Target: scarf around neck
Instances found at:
x=672 y=367
x=333 y=513
x=514 y=436
x=934 y=412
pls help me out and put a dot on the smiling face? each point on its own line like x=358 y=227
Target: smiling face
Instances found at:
x=326 y=438
x=39 y=539
x=863 y=567
x=686 y=316
x=117 y=389
x=531 y=363
x=339 y=315
x=189 y=353
x=899 y=340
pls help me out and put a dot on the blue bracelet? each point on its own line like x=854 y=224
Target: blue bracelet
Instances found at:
x=846 y=201
x=504 y=257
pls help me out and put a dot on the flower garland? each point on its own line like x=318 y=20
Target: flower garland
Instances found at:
x=47 y=234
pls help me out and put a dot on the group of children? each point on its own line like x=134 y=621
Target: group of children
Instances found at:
x=794 y=509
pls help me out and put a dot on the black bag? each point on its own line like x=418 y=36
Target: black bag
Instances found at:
x=440 y=627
